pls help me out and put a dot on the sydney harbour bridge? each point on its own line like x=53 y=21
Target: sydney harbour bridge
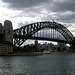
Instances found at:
x=51 y=30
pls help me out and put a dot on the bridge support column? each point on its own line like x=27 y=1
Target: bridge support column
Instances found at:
x=8 y=31
x=73 y=47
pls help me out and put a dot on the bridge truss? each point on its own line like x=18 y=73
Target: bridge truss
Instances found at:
x=26 y=32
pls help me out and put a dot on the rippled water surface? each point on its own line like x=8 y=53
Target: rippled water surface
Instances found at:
x=48 y=64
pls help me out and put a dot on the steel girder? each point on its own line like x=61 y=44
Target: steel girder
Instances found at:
x=31 y=29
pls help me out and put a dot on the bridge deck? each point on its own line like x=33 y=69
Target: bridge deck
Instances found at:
x=41 y=38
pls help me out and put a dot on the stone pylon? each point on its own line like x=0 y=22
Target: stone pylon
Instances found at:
x=8 y=31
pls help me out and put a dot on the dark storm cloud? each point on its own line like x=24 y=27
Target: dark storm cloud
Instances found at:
x=63 y=9
x=67 y=16
x=63 y=5
x=18 y=4
x=50 y=5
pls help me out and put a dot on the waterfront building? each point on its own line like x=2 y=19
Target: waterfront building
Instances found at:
x=43 y=46
x=51 y=46
x=46 y=44
x=61 y=46
x=6 y=47
x=36 y=44
x=39 y=46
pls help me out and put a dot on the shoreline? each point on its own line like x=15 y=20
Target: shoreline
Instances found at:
x=30 y=54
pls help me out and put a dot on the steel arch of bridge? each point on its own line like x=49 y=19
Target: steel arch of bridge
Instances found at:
x=29 y=30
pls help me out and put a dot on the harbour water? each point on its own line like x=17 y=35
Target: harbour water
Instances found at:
x=48 y=64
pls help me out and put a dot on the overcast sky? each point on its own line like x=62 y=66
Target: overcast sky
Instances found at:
x=22 y=12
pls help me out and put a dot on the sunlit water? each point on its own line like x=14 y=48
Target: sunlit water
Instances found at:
x=48 y=64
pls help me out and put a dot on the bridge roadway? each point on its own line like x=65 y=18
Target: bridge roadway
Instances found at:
x=41 y=38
